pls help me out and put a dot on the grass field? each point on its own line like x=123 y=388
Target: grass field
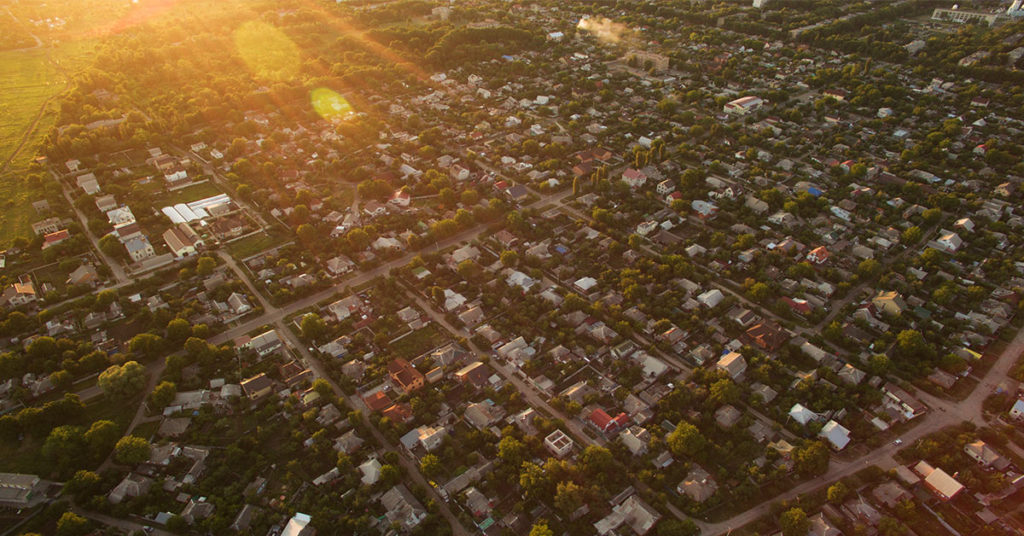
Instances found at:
x=188 y=195
x=30 y=81
x=249 y=246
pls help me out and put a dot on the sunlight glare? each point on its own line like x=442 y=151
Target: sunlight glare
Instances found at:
x=330 y=105
x=268 y=52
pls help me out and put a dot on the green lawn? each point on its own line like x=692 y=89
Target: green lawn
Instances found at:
x=247 y=247
x=418 y=342
x=188 y=195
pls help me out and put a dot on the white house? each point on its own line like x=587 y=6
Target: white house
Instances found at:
x=949 y=241
x=634 y=178
x=835 y=434
x=711 y=298
x=743 y=105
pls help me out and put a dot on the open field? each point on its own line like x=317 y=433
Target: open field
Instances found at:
x=30 y=81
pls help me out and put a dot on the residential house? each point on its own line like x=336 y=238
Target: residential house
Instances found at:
x=732 y=364
x=634 y=178
x=743 y=105
x=120 y=216
x=949 y=241
x=139 y=248
x=20 y=293
x=404 y=376
x=401 y=507
x=632 y=512
x=802 y=415
x=1017 y=411
x=818 y=255
x=182 y=240
x=133 y=485
x=835 y=434
x=52 y=239
x=47 y=226
x=711 y=298
x=299 y=525
x=698 y=485
x=768 y=336
x=636 y=438
x=938 y=481
x=257 y=387
x=902 y=402
x=83 y=275
x=606 y=424
x=88 y=183
x=263 y=344
x=889 y=302
x=980 y=452
x=345 y=307
x=558 y=443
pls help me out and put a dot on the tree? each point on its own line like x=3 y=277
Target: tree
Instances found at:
x=576 y=187
x=595 y=460
x=307 y=234
x=889 y=526
x=912 y=235
x=911 y=343
x=837 y=493
x=931 y=216
x=178 y=330
x=469 y=269
x=540 y=528
x=509 y=258
x=72 y=524
x=511 y=451
x=389 y=474
x=312 y=326
x=535 y=482
x=568 y=497
x=131 y=450
x=724 y=391
x=205 y=265
x=42 y=348
x=84 y=484
x=124 y=380
x=674 y=527
x=64 y=445
x=431 y=466
x=323 y=388
x=358 y=239
x=686 y=440
x=101 y=437
x=869 y=268
x=794 y=522
x=162 y=395
x=812 y=459
x=145 y=344
x=111 y=246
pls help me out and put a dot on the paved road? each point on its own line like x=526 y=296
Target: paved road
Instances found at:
x=531 y=394
x=410 y=465
x=277 y=314
x=942 y=413
x=122 y=524
x=115 y=266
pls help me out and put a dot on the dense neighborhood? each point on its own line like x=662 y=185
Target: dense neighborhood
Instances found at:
x=526 y=268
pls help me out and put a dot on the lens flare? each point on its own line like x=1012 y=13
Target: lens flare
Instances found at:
x=330 y=105
x=268 y=52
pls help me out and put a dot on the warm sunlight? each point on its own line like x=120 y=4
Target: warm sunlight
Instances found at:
x=329 y=104
x=268 y=52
